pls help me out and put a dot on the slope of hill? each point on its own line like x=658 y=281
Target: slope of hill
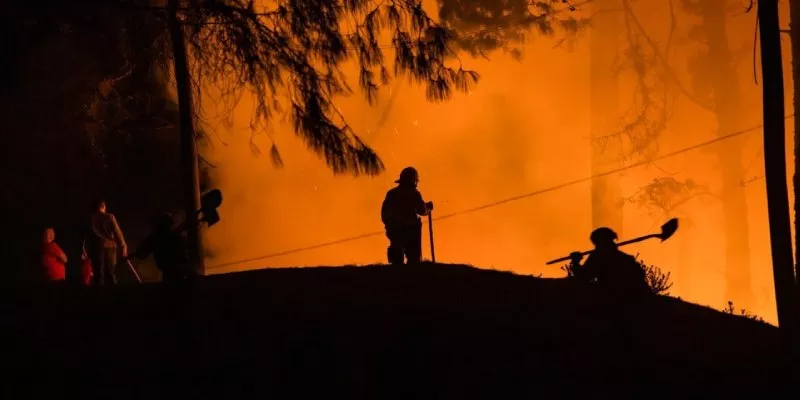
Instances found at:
x=443 y=331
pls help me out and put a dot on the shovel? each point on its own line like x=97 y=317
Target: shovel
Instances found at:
x=667 y=230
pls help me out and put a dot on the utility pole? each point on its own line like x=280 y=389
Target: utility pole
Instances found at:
x=775 y=167
x=191 y=179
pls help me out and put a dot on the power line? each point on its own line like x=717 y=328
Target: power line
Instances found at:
x=508 y=200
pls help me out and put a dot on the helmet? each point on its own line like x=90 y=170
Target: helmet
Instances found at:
x=408 y=175
x=603 y=235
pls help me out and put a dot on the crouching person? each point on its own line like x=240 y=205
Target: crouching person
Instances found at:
x=169 y=251
x=612 y=269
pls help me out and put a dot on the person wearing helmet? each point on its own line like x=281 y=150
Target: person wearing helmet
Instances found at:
x=168 y=249
x=400 y=213
x=608 y=265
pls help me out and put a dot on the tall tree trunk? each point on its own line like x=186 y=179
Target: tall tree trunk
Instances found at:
x=727 y=107
x=606 y=193
x=191 y=176
x=794 y=12
x=775 y=166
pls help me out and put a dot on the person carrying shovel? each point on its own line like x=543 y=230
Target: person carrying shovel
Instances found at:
x=613 y=269
x=400 y=214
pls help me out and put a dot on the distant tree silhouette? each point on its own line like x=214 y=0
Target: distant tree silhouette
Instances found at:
x=665 y=197
x=714 y=80
x=604 y=72
x=505 y=24
x=481 y=27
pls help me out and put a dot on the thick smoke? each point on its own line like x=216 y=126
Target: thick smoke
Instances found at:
x=524 y=128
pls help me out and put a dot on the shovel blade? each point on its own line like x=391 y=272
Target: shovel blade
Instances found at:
x=668 y=229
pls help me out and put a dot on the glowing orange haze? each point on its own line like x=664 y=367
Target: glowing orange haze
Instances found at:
x=524 y=128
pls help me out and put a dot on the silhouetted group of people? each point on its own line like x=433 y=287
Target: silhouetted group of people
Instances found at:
x=606 y=265
x=401 y=210
x=103 y=245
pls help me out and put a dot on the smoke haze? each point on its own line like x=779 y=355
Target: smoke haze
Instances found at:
x=524 y=128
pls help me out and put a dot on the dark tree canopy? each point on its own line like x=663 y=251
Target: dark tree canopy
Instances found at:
x=291 y=57
x=482 y=26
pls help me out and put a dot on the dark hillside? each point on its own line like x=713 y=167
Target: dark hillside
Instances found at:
x=375 y=332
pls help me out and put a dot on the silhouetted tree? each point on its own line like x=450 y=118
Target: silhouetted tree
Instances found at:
x=291 y=57
x=794 y=11
x=714 y=88
x=481 y=27
x=775 y=169
x=715 y=80
x=666 y=196
x=621 y=45
x=505 y=25
x=604 y=91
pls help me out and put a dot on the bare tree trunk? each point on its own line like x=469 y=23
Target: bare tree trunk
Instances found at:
x=606 y=192
x=775 y=165
x=727 y=107
x=191 y=176
x=794 y=12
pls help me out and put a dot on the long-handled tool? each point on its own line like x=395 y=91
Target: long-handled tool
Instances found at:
x=430 y=233
x=133 y=269
x=667 y=230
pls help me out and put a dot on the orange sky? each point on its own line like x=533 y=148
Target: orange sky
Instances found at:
x=524 y=128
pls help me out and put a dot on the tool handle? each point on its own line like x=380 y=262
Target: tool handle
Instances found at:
x=566 y=258
x=430 y=233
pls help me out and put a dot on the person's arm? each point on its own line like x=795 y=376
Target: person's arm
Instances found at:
x=422 y=208
x=385 y=209
x=60 y=253
x=54 y=250
x=588 y=271
x=119 y=236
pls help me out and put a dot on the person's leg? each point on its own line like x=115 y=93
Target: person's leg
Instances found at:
x=395 y=251
x=111 y=265
x=98 y=266
x=413 y=245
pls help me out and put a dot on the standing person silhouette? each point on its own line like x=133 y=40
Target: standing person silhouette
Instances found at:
x=104 y=240
x=400 y=213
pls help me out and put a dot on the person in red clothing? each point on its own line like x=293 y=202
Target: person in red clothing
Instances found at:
x=53 y=258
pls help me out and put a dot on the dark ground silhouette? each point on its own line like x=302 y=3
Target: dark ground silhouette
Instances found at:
x=374 y=332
